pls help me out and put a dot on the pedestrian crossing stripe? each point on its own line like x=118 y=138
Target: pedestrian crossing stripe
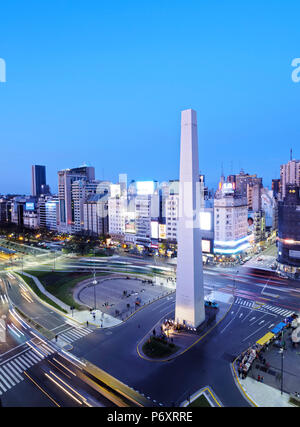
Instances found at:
x=74 y=334
x=11 y=371
x=244 y=302
x=278 y=310
x=263 y=307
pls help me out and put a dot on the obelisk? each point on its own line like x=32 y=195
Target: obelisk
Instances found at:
x=189 y=308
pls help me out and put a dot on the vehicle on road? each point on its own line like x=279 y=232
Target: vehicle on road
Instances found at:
x=212 y=304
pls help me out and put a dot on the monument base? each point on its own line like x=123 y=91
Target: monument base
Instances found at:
x=210 y=319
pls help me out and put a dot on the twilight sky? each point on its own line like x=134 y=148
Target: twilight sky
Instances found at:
x=103 y=83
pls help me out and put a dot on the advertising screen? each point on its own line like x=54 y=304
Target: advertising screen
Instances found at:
x=154 y=229
x=29 y=206
x=162 y=231
x=206 y=246
x=205 y=221
x=145 y=187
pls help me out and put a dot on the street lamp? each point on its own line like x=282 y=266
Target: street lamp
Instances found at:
x=281 y=352
x=94 y=283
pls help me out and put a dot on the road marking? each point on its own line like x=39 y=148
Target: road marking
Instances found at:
x=245 y=339
x=230 y=320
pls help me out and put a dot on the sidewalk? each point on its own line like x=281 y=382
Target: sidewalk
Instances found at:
x=79 y=316
x=263 y=395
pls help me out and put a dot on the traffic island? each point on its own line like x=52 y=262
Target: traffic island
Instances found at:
x=156 y=347
x=166 y=336
x=203 y=398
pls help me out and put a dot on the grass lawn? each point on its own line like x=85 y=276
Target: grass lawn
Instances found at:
x=157 y=348
x=32 y=285
x=201 y=401
x=61 y=284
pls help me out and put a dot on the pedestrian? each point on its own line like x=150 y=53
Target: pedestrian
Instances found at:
x=258 y=378
x=87 y=323
x=261 y=379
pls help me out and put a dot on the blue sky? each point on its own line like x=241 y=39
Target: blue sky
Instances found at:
x=104 y=83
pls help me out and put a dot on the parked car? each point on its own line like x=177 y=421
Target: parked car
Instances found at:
x=212 y=304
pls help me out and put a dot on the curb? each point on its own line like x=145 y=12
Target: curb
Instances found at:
x=201 y=392
x=236 y=380
x=188 y=348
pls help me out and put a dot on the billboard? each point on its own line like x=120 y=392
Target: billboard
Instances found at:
x=206 y=221
x=206 y=246
x=29 y=206
x=145 y=188
x=154 y=229
x=162 y=231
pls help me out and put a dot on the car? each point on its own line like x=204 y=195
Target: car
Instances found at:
x=212 y=304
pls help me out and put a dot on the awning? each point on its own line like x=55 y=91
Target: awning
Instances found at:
x=278 y=328
x=265 y=338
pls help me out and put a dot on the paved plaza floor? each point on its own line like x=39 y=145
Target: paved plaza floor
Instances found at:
x=119 y=296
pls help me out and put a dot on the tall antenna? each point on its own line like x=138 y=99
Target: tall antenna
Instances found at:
x=291 y=154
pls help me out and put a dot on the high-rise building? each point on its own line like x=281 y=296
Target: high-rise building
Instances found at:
x=289 y=174
x=52 y=212
x=68 y=201
x=123 y=183
x=95 y=214
x=289 y=227
x=230 y=218
x=276 y=187
x=38 y=180
x=117 y=211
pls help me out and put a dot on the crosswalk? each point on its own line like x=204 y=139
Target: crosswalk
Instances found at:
x=73 y=334
x=12 y=370
x=264 y=307
x=278 y=310
x=3 y=299
x=244 y=302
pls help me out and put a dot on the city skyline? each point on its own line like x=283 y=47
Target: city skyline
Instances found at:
x=109 y=88
x=149 y=206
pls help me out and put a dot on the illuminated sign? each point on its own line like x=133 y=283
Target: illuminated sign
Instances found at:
x=227 y=187
x=205 y=246
x=29 y=206
x=154 y=229
x=130 y=226
x=162 y=231
x=145 y=188
x=205 y=221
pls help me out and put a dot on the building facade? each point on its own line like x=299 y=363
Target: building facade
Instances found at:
x=289 y=227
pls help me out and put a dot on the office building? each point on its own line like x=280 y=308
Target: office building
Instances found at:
x=38 y=180
x=289 y=227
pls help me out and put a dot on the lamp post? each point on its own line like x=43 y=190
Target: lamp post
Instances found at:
x=94 y=283
x=281 y=351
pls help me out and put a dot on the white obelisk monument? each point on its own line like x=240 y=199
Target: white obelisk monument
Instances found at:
x=189 y=308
